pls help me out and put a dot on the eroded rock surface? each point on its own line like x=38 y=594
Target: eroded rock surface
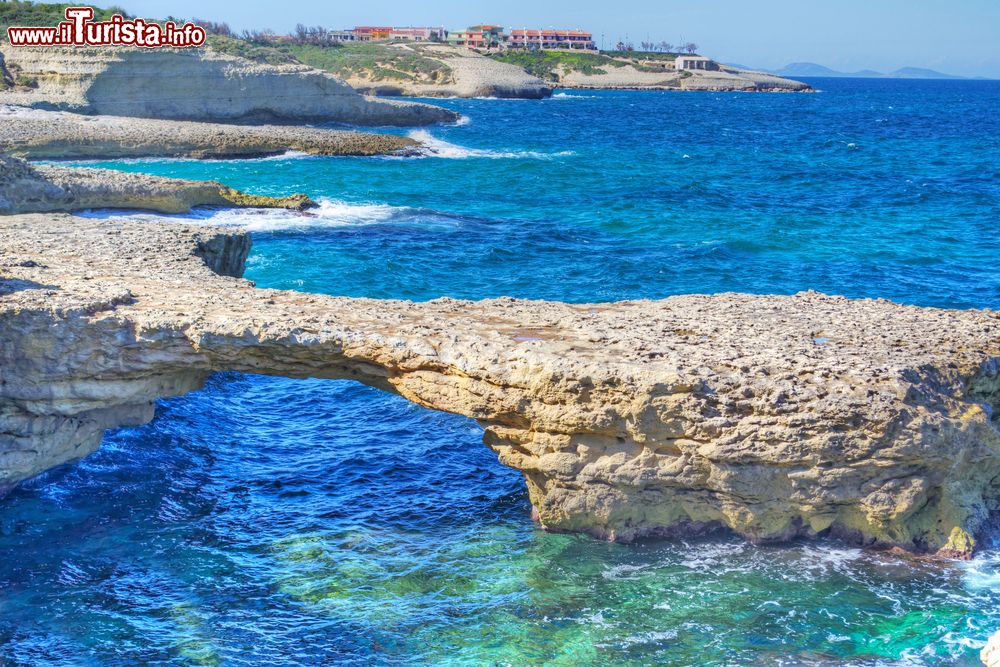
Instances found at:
x=773 y=416
x=40 y=134
x=26 y=188
x=196 y=84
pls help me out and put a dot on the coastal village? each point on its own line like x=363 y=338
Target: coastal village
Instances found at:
x=494 y=37
x=483 y=36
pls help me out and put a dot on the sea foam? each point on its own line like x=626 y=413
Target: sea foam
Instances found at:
x=439 y=148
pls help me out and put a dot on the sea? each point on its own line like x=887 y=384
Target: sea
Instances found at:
x=268 y=521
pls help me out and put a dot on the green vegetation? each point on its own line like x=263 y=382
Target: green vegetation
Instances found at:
x=377 y=61
x=543 y=64
x=258 y=53
x=45 y=14
x=642 y=55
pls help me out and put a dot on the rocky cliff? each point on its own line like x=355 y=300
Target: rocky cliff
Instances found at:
x=196 y=84
x=25 y=188
x=772 y=416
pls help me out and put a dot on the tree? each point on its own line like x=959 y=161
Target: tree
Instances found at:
x=666 y=47
x=214 y=27
x=691 y=47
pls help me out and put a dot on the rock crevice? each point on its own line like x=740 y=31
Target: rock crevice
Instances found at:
x=627 y=419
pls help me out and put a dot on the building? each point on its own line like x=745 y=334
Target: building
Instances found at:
x=342 y=36
x=369 y=33
x=478 y=37
x=551 y=39
x=419 y=34
x=695 y=62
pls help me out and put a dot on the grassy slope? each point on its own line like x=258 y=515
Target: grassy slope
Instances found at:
x=379 y=61
x=543 y=64
x=259 y=53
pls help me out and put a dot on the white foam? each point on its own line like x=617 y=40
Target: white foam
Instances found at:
x=567 y=96
x=328 y=213
x=287 y=155
x=439 y=148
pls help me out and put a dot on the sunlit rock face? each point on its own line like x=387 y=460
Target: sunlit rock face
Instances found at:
x=991 y=654
x=196 y=84
x=771 y=416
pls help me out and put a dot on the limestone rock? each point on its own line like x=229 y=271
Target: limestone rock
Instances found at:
x=25 y=188
x=991 y=654
x=197 y=84
x=40 y=134
x=772 y=416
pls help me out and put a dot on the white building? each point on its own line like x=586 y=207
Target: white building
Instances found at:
x=342 y=36
x=694 y=62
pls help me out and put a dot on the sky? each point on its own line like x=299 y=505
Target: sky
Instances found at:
x=955 y=36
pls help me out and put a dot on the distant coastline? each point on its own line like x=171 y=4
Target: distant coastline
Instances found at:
x=817 y=71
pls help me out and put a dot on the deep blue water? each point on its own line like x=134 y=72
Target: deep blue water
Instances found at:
x=271 y=521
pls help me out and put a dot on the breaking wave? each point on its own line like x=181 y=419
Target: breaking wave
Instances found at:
x=435 y=147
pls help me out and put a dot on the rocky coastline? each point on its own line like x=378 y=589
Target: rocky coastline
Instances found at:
x=724 y=79
x=769 y=416
x=40 y=134
x=25 y=188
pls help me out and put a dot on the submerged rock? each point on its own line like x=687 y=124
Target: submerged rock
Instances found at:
x=771 y=416
x=25 y=188
x=197 y=84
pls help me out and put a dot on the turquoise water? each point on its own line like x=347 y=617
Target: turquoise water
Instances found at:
x=271 y=521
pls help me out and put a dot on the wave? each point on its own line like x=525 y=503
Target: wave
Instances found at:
x=435 y=147
x=328 y=213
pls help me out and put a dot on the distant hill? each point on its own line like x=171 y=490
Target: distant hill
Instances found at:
x=814 y=70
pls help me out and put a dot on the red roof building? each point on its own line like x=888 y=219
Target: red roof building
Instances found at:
x=550 y=39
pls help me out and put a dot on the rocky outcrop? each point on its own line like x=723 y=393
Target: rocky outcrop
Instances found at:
x=991 y=654
x=723 y=79
x=42 y=134
x=469 y=74
x=772 y=416
x=197 y=84
x=25 y=188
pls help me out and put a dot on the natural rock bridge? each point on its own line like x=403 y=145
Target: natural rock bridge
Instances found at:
x=772 y=416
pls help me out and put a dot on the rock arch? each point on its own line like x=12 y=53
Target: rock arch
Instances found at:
x=772 y=416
